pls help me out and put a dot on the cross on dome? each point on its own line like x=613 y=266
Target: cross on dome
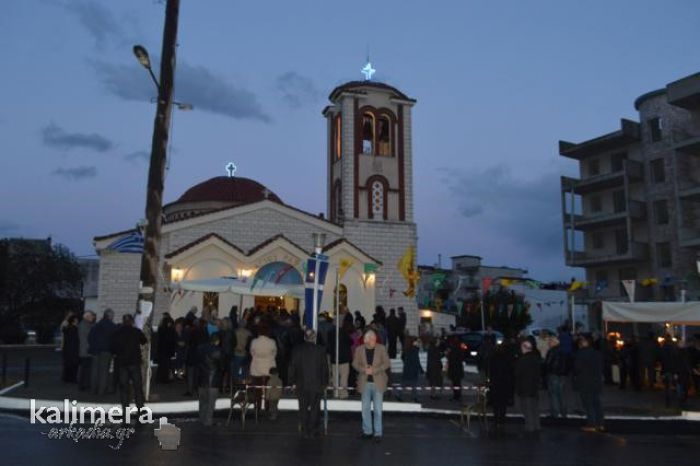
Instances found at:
x=231 y=169
x=368 y=71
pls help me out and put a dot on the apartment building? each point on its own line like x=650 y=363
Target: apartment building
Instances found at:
x=634 y=210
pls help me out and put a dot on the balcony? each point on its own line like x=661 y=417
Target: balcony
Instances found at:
x=685 y=92
x=636 y=210
x=686 y=142
x=689 y=238
x=632 y=170
x=689 y=190
x=636 y=252
x=627 y=134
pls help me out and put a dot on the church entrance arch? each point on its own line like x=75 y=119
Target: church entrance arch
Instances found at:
x=278 y=273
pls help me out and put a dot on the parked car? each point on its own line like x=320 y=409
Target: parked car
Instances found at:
x=472 y=341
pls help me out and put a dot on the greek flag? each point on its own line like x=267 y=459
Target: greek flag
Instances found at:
x=133 y=242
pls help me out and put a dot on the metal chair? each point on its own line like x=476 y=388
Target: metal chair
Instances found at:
x=475 y=405
x=243 y=398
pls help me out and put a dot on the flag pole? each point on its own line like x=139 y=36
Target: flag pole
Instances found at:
x=337 y=331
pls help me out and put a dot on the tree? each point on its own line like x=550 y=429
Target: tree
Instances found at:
x=38 y=284
x=504 y=310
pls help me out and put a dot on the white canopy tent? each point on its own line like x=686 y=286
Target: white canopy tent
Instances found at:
x=652 y=312
x=239 y=287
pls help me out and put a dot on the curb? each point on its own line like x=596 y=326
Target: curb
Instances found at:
x=14 y=404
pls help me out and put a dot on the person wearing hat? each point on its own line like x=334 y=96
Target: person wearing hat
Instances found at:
x=308 y=373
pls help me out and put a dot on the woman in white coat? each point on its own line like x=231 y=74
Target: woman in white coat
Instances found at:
x=263 y=351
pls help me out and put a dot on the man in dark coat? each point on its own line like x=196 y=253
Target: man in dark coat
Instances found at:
x=209 y=358
x=528 y=370
x=501 y=384
x=308 y=372
x=99 y=340
x=71 y=350
x=126 y=344
x=393 y=327
x=588 y=380
x=455 y=369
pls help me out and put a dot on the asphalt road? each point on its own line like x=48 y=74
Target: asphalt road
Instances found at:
x=408 y=440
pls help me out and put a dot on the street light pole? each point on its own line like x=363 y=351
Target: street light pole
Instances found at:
x=150 y=260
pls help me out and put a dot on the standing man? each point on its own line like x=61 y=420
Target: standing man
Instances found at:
x=393 y=328
x=84 y=328
x=371 y=361
x=98 y=346
x=527 y=385
x=588 y=380
x=209 y=372
x=126 y=345
x=308 y=371
x=402 y=326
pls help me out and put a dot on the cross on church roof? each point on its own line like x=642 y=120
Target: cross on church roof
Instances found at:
x=368 y=71
x=231 y=169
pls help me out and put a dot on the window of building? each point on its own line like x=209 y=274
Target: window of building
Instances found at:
x=337 y=137
x=617 y=161
x=594 y=167
x=596 y=203
x=368 y=133
x=601 y=276
x=597 y=240
x=384 y=136
x=621 y=245
x=619 y=201
x=661 y=212
x=377 y=198
x=663 y=254
x=655 y=129
x=658 y=170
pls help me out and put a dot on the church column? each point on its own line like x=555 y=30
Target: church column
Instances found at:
x=349 y=105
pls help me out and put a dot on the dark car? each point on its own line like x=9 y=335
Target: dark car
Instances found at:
x=472 y=341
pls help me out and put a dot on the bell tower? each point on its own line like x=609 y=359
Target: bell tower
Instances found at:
x=370 y=177
x=369 y=153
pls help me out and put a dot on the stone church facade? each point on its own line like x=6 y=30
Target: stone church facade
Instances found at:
x=234 y=226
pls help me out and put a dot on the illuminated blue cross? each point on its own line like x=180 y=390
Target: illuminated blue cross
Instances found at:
x=368 y=71
x=231 y=169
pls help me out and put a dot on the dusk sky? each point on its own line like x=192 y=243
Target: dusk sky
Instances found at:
x=498 y=83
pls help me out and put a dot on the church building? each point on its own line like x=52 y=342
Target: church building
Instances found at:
x=230 y=226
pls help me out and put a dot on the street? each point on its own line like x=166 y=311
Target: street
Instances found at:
x=408 y=440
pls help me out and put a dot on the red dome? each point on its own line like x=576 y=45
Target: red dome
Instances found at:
x=235 y=190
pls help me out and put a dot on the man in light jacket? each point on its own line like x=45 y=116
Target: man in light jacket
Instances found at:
x=371 y=361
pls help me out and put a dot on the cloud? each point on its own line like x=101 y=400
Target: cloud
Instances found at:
x=525 y=213
x=7 y=227
x=97 y=19
x=196 y=85
x=54 y=136
x=75 y=173
x=296 y=89
x=138 y=156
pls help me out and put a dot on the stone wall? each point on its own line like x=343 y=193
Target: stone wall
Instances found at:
x=387 y=242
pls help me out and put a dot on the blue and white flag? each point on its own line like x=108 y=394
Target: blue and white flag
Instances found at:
x=309 y=279
x=133 y=242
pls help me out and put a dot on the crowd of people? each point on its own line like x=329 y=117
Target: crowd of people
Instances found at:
x=269 y=348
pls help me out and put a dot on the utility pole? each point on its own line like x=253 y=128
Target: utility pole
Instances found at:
x=150 y=260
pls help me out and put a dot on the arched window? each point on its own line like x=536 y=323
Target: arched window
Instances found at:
x=337 y=137
x=377 y=199
x=384 y=136
x=368 y=133
x=337 y=202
